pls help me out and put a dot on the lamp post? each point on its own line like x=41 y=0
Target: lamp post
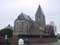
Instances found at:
x=6 y=39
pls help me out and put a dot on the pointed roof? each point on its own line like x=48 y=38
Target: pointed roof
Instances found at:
x=39 y=11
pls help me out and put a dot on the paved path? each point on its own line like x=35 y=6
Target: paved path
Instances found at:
x=55 y=43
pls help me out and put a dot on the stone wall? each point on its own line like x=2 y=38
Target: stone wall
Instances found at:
x=42 y=40
x=32 y=40
x=22 y=26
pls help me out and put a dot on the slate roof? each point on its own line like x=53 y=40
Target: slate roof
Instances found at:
x=39 y=11
x=23 y=16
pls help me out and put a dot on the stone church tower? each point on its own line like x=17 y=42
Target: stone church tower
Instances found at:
x=40 y=18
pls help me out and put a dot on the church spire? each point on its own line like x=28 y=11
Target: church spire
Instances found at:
x=39 y=7
x=40 y=18
x=39 y=11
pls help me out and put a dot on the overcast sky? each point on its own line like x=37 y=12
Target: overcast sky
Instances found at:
x=10 y=9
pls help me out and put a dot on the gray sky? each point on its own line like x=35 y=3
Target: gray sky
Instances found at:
x=10 y=9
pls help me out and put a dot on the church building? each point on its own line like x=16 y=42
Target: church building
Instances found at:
x=25 y=25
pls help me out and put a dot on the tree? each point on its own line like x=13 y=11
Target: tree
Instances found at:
x=7 y=31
